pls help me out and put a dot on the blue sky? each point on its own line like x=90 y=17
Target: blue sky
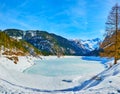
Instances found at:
x=72 y=19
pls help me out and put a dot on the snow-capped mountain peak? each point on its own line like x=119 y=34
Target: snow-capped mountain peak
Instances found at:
x=89 y=45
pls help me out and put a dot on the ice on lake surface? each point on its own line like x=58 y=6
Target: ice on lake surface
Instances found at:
x=65 y=66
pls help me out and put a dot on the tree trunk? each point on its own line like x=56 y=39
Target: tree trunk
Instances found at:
x=115 y=60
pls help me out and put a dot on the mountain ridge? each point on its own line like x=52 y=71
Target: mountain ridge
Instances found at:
x=52 y=44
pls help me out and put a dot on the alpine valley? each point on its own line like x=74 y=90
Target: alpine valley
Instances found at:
x=51 y=44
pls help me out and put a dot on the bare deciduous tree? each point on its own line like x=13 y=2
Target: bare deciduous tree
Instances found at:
x=112 y=28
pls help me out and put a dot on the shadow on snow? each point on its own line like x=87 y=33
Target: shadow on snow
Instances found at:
x=85 y=85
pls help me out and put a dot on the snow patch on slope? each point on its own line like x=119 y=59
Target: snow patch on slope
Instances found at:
x=23 y=63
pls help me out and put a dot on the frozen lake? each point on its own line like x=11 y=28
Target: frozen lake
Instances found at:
x=66 y=66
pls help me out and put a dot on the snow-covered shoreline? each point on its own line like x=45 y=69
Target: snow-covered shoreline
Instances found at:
x=23 y=63
x=13 y=80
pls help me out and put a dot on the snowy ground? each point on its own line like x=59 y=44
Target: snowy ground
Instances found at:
x=13 y=81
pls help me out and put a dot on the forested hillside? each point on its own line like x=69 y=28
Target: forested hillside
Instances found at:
x=47 y=43
x=52 y=44
x=13 y=46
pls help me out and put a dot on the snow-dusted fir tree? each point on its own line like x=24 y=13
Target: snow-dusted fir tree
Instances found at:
x=112 y=28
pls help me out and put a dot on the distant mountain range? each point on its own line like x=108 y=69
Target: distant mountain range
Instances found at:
x=52 y=44
x=88 y=45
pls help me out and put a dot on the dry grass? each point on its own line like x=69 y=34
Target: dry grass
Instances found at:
x=13 y=58
x=19 y=53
